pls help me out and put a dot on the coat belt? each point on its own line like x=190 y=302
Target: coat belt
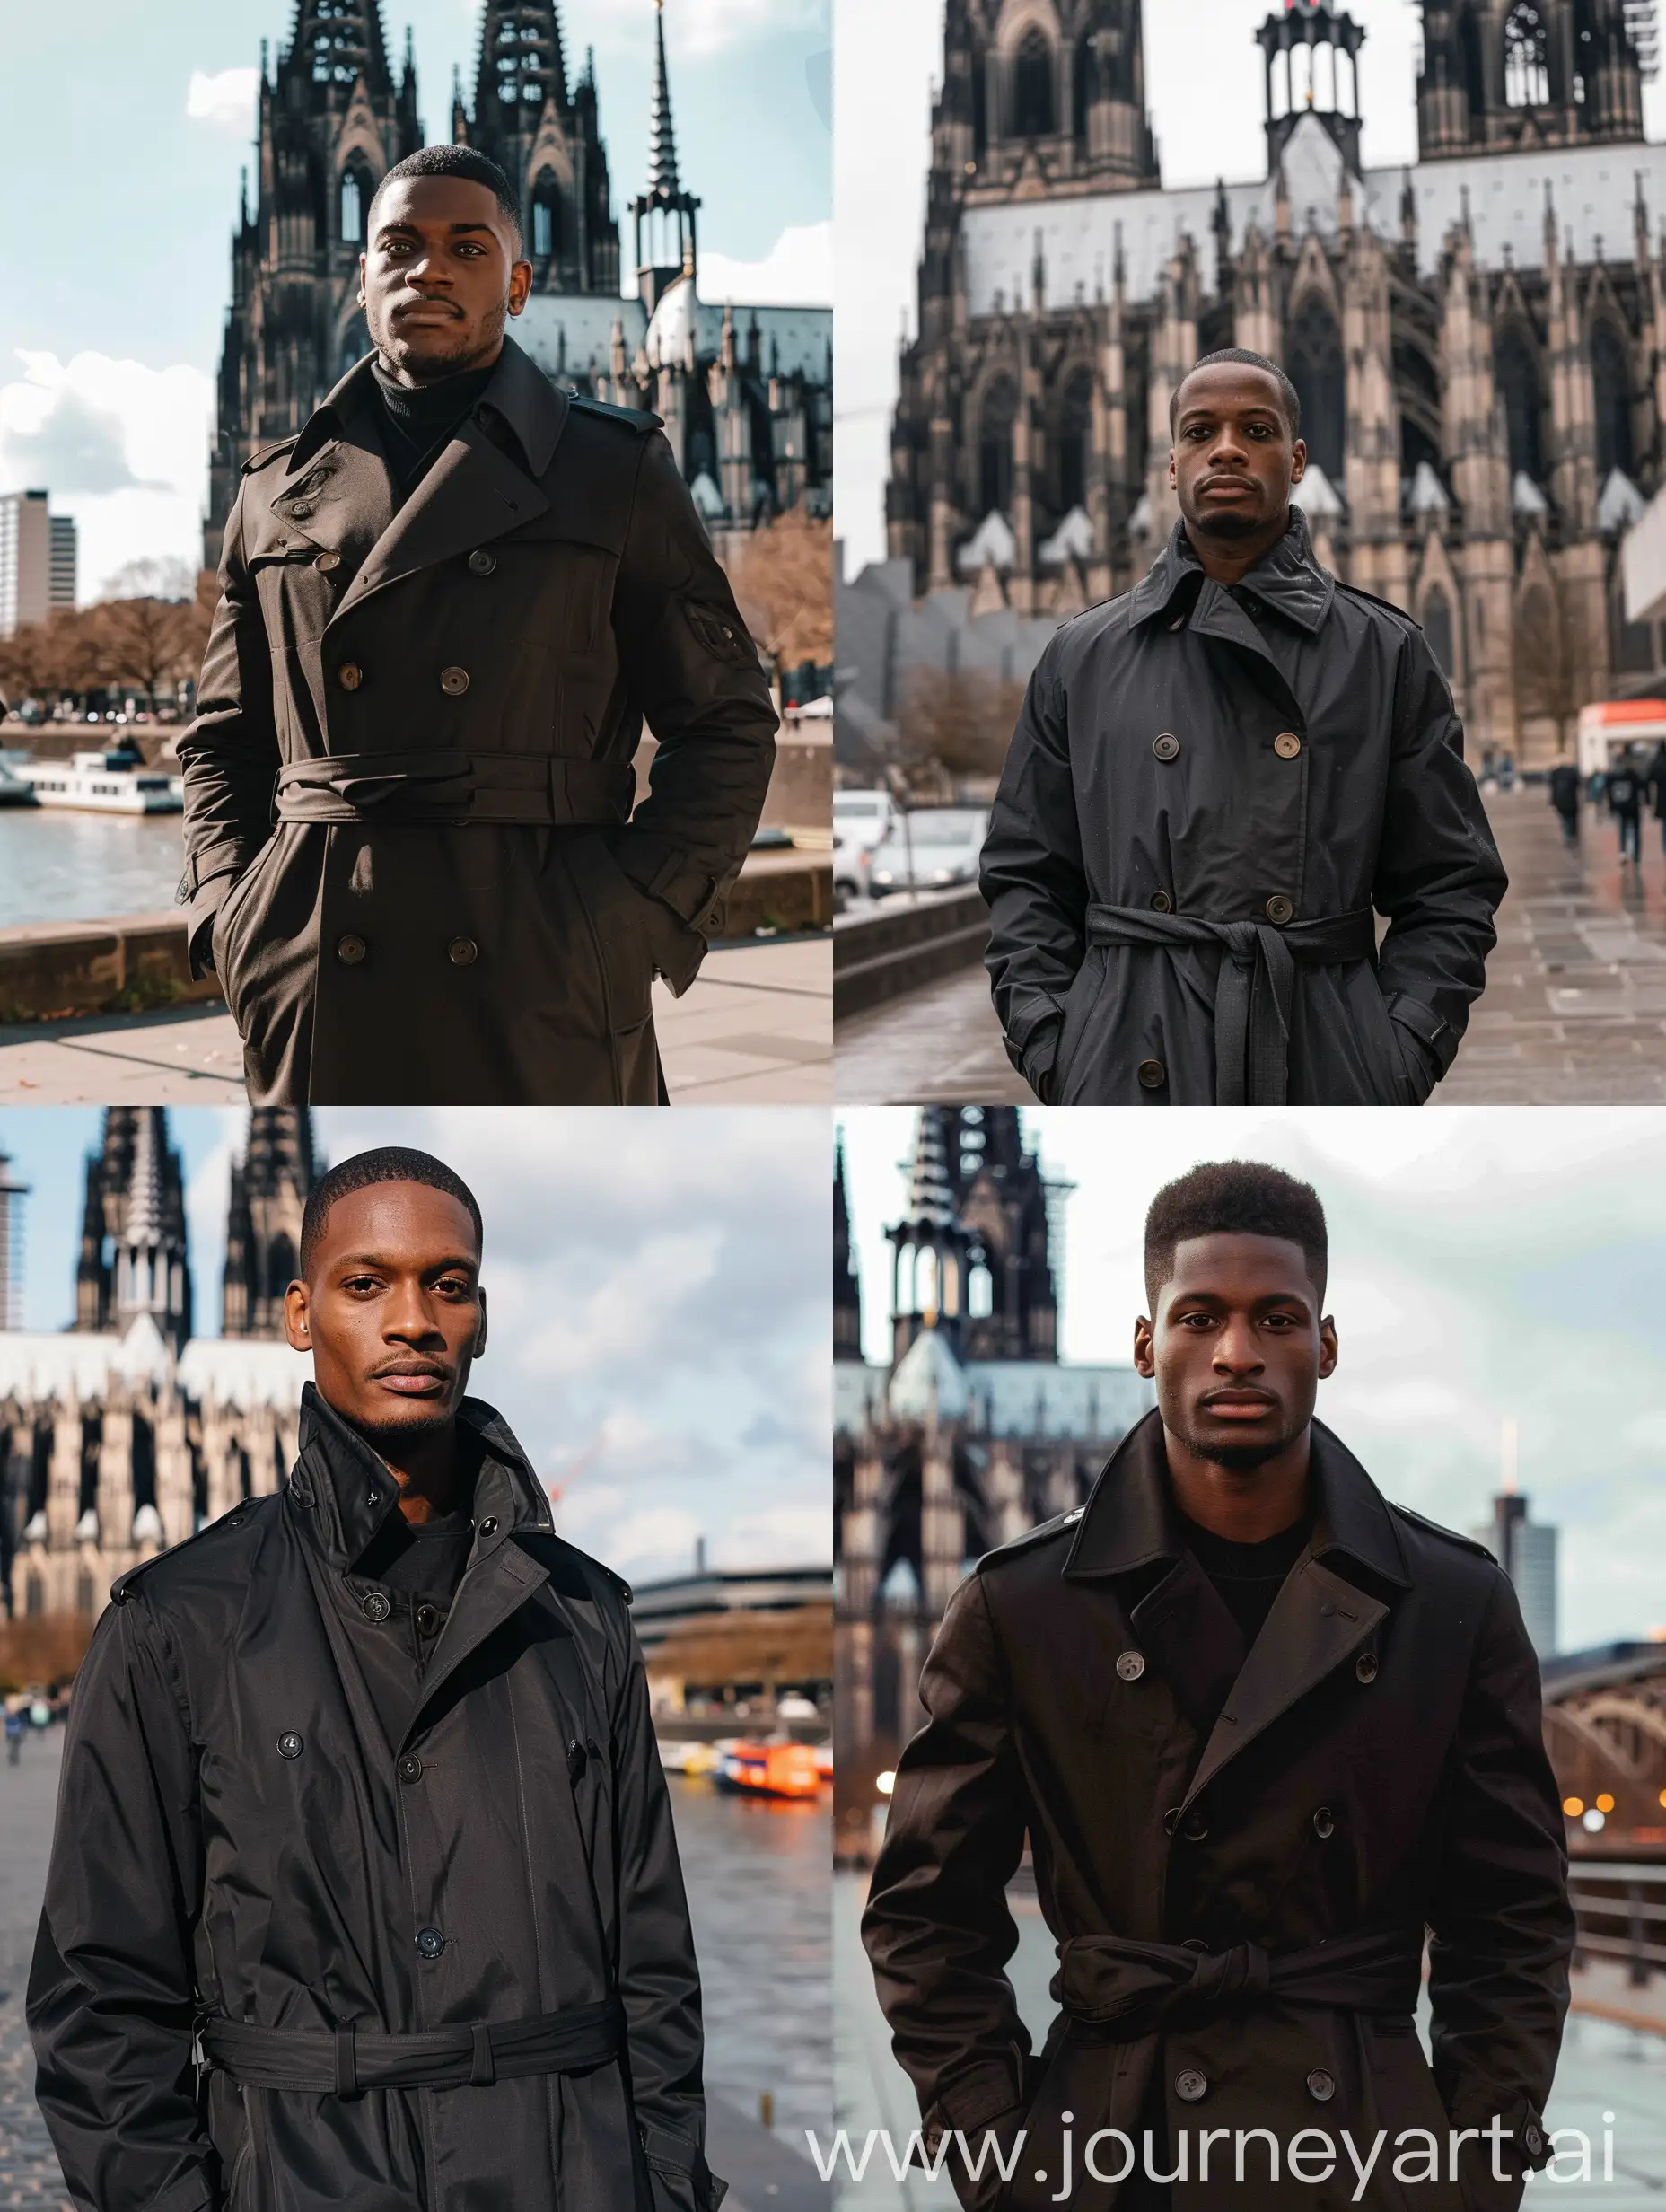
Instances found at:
x=431 y=785
x=1114 y=1990
x=342 y=2062
x=1256 y=986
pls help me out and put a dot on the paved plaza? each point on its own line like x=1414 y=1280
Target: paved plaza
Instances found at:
x=754 y=1030
x=1605 y=2069
x=1574 y=1013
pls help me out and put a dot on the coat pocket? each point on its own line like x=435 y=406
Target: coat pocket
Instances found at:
x=621 y=924
x=227 y=938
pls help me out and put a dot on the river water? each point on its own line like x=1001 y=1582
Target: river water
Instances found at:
x=56 y=865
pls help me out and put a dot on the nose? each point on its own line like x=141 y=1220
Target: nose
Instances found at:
x=408 y=1320
x=1237 y=1351
x=1226 y=447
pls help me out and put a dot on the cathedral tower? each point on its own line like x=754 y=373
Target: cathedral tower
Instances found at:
x=548 y=142
x=132 y=1256
x=270 y=1186
x=1503 y=74
x=665 y=241
x=846 y=1284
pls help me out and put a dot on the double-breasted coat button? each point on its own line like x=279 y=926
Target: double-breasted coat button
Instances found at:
x=350 y=951
x=1279 y=909
x=1324 y=1822
x=462 y=951
x=327 y=561
x=1161 y=902
x=430 y=1942
x=1365 y=1666
x=1191 y=2086
x=1321 y=2086
x=1152 y=1074
x=301 y=510
x=410 y=1768
x=453 y=681
x=1171 y=1820
x=1165 y=745
x=483 y=563
x=349 y=675
x=488 y=1527
x=575 y=1760
x=1131 y=1665
x=427 y=1620
x=1197 y=1828
x=1286 y=744
x=289 y=1745
x=377 y=1608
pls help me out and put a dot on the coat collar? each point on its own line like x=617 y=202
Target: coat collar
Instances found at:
x=1130 y=1520
x=520 y=396
x=1288 y=578
x=345 y=1494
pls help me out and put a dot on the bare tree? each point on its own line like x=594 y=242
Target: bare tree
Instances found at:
x=782 y=579
x=952 y=724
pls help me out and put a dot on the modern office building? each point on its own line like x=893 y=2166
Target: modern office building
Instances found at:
x=1527 y=1551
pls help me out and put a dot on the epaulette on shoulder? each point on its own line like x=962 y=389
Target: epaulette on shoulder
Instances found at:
x=1042 y=1531
x=120 y=1589
x=260 y=459
x=565 y=1557
x=1465 y=1543
x=1355 y=591
x=639 y=419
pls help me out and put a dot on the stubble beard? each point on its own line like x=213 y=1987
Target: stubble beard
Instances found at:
x=1237 y=1459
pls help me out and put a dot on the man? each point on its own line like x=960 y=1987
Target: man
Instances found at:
x=1625 y=798
x=361 y=1813
x=448 y=604
x=1213 y=781
x=1564 y=798
x=1261 y=1728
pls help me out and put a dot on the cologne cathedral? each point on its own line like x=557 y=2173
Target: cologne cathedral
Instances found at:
x=969 y=1431
x=1479 y=339
x=745 y=391
x=125 y=1432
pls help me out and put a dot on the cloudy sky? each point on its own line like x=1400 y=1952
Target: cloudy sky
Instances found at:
x=1204 y=87
x=659 y=1304
x=1486 y=1265
x=122 y=130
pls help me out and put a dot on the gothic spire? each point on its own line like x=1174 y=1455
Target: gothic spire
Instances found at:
x=931 y=1195
x=662 y=180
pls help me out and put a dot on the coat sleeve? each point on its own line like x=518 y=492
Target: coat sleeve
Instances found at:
x=229 y=753
x=1033 y=882
x=937 y=1929
x=1439 y=878
x=693 y=671
x=112 y=1997
x=1501 y=1922
x=659 y=1981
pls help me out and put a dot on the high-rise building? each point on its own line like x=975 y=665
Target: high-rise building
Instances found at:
x=12 y=1195
x=61 y=560
x=25 y=560
x=1527 y=1551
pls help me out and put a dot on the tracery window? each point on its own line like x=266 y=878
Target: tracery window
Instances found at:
x=1527 y=77
x=1611 y=393
x=995 y=446
x=1033 y=88
x=1315 y=365
x=1518 y=386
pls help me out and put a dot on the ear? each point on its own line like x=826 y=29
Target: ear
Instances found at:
x=1173 y=479
x=479 y=1334
x=520 y=284
x=1329 y=1350
x=297 y=1319
x=1144 y=1350
x=1298 y=460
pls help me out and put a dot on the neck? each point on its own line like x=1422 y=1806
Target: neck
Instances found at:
x=1230 y=560
x=1244 y=1504
x=419 y=376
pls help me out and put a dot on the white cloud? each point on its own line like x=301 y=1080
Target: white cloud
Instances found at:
x=698 y=29
x=121 y=446
x=797 y=271
x=223 y=97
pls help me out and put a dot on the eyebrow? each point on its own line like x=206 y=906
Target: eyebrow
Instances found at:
x=453 y=230
x=434 y=1266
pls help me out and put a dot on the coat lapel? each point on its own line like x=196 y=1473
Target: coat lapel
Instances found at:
x=344 y=495
x=1317 y=1621
x=493 y=1589
x=1185 y=1627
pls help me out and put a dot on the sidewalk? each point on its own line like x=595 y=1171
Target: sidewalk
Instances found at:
x=756 y=1029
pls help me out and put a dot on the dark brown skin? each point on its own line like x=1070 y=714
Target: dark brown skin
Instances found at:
x=394 y=1316
x=442 y=275
x=1232 y=464
x=1237 y=1350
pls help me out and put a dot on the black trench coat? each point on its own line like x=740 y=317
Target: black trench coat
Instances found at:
x=406 y=785
x=238 y=1840
x=1375 y=1764
x=1206 y=796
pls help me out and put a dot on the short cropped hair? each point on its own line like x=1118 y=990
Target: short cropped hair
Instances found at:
x=445 y=161
x=1233 y=1198
x=1289 y=399
x=388 y=1164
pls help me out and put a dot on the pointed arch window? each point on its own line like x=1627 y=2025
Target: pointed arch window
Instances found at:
x=1437 y=626
x=1084 y=83
x=1610 y=381
x=1075 y=419
x=1313 y=363
x=357 y=192
x=1518 y=386
x=995 y=446
x=1527 y=75
x=1032 y=87
x=546 y=216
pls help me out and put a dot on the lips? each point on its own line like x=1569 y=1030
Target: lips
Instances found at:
x=413 y=1382
x=1224 y=487
x=429 y=311
x=1238 y=1405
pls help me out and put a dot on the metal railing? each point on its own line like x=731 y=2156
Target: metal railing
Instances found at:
x=1621 y=1911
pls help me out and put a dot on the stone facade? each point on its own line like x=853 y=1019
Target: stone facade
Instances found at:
x=1478 y=341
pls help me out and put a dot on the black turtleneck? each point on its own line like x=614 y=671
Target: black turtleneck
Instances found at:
x=1249 y=1577
x=418 y=419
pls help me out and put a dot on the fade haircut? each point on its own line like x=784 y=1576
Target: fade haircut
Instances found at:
x=1233 y=1198
x=1288 y=397
x=452 y=162
x=389 y=1164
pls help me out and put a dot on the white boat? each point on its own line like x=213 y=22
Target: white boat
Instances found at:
x=14 y=790
x=116 y=782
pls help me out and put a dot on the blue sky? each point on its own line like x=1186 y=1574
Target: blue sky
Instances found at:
x=1487 y=1264
x=120 y=203
x=660 y=1303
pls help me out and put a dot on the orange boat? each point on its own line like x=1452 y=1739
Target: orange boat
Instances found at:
x=770 y=1769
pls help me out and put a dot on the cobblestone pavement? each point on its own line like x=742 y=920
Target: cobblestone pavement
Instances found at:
x=1573 y=1012
x=29 y=2180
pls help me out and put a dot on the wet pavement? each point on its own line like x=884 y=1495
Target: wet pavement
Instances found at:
x=1573 y=1012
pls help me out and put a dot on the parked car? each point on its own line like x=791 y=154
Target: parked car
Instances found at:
x=943 y=842
x=851 y=858
x=863 y=817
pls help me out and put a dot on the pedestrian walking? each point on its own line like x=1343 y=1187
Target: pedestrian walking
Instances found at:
x=1655 y=781
x=1625 y=798
x=364 y=1891
x=16 y=1725
x=1564 y=798
x=1260 y=1727
x=448 y=603
x=1216 y=782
